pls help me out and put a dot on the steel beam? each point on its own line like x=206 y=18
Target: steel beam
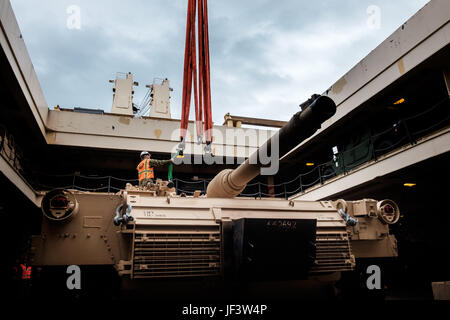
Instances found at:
x=109 y=131
x=447 y=80
x=16 y=52
x=19 y=181
x=253 y=121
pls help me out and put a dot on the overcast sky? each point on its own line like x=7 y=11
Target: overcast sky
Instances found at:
x=266 y=56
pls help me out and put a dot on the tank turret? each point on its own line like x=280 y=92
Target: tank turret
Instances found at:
x=229 y=183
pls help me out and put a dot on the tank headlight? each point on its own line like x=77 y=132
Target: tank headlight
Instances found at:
x=388 y=211
x=59 y=205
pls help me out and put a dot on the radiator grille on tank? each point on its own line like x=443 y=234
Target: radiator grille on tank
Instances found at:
x=168 y=255
x=333 y=253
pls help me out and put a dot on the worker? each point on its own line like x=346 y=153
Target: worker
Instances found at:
x=145 y=168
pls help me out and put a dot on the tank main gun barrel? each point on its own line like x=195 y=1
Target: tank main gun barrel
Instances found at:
x=229 y=183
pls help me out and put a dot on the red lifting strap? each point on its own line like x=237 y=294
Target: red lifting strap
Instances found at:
x=202 y=88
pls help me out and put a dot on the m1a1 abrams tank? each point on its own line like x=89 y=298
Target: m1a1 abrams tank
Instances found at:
x=153 y=237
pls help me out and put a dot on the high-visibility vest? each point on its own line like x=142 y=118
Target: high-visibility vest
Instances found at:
x=26 y=272
x=144 y=170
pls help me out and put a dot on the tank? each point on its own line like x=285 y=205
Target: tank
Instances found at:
x=154 y=238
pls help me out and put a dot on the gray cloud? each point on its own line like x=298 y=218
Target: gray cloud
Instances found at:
x=266 y=57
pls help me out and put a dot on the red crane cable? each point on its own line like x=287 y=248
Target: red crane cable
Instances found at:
x=200 y=83
x=186 y=73
x=208 y=115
